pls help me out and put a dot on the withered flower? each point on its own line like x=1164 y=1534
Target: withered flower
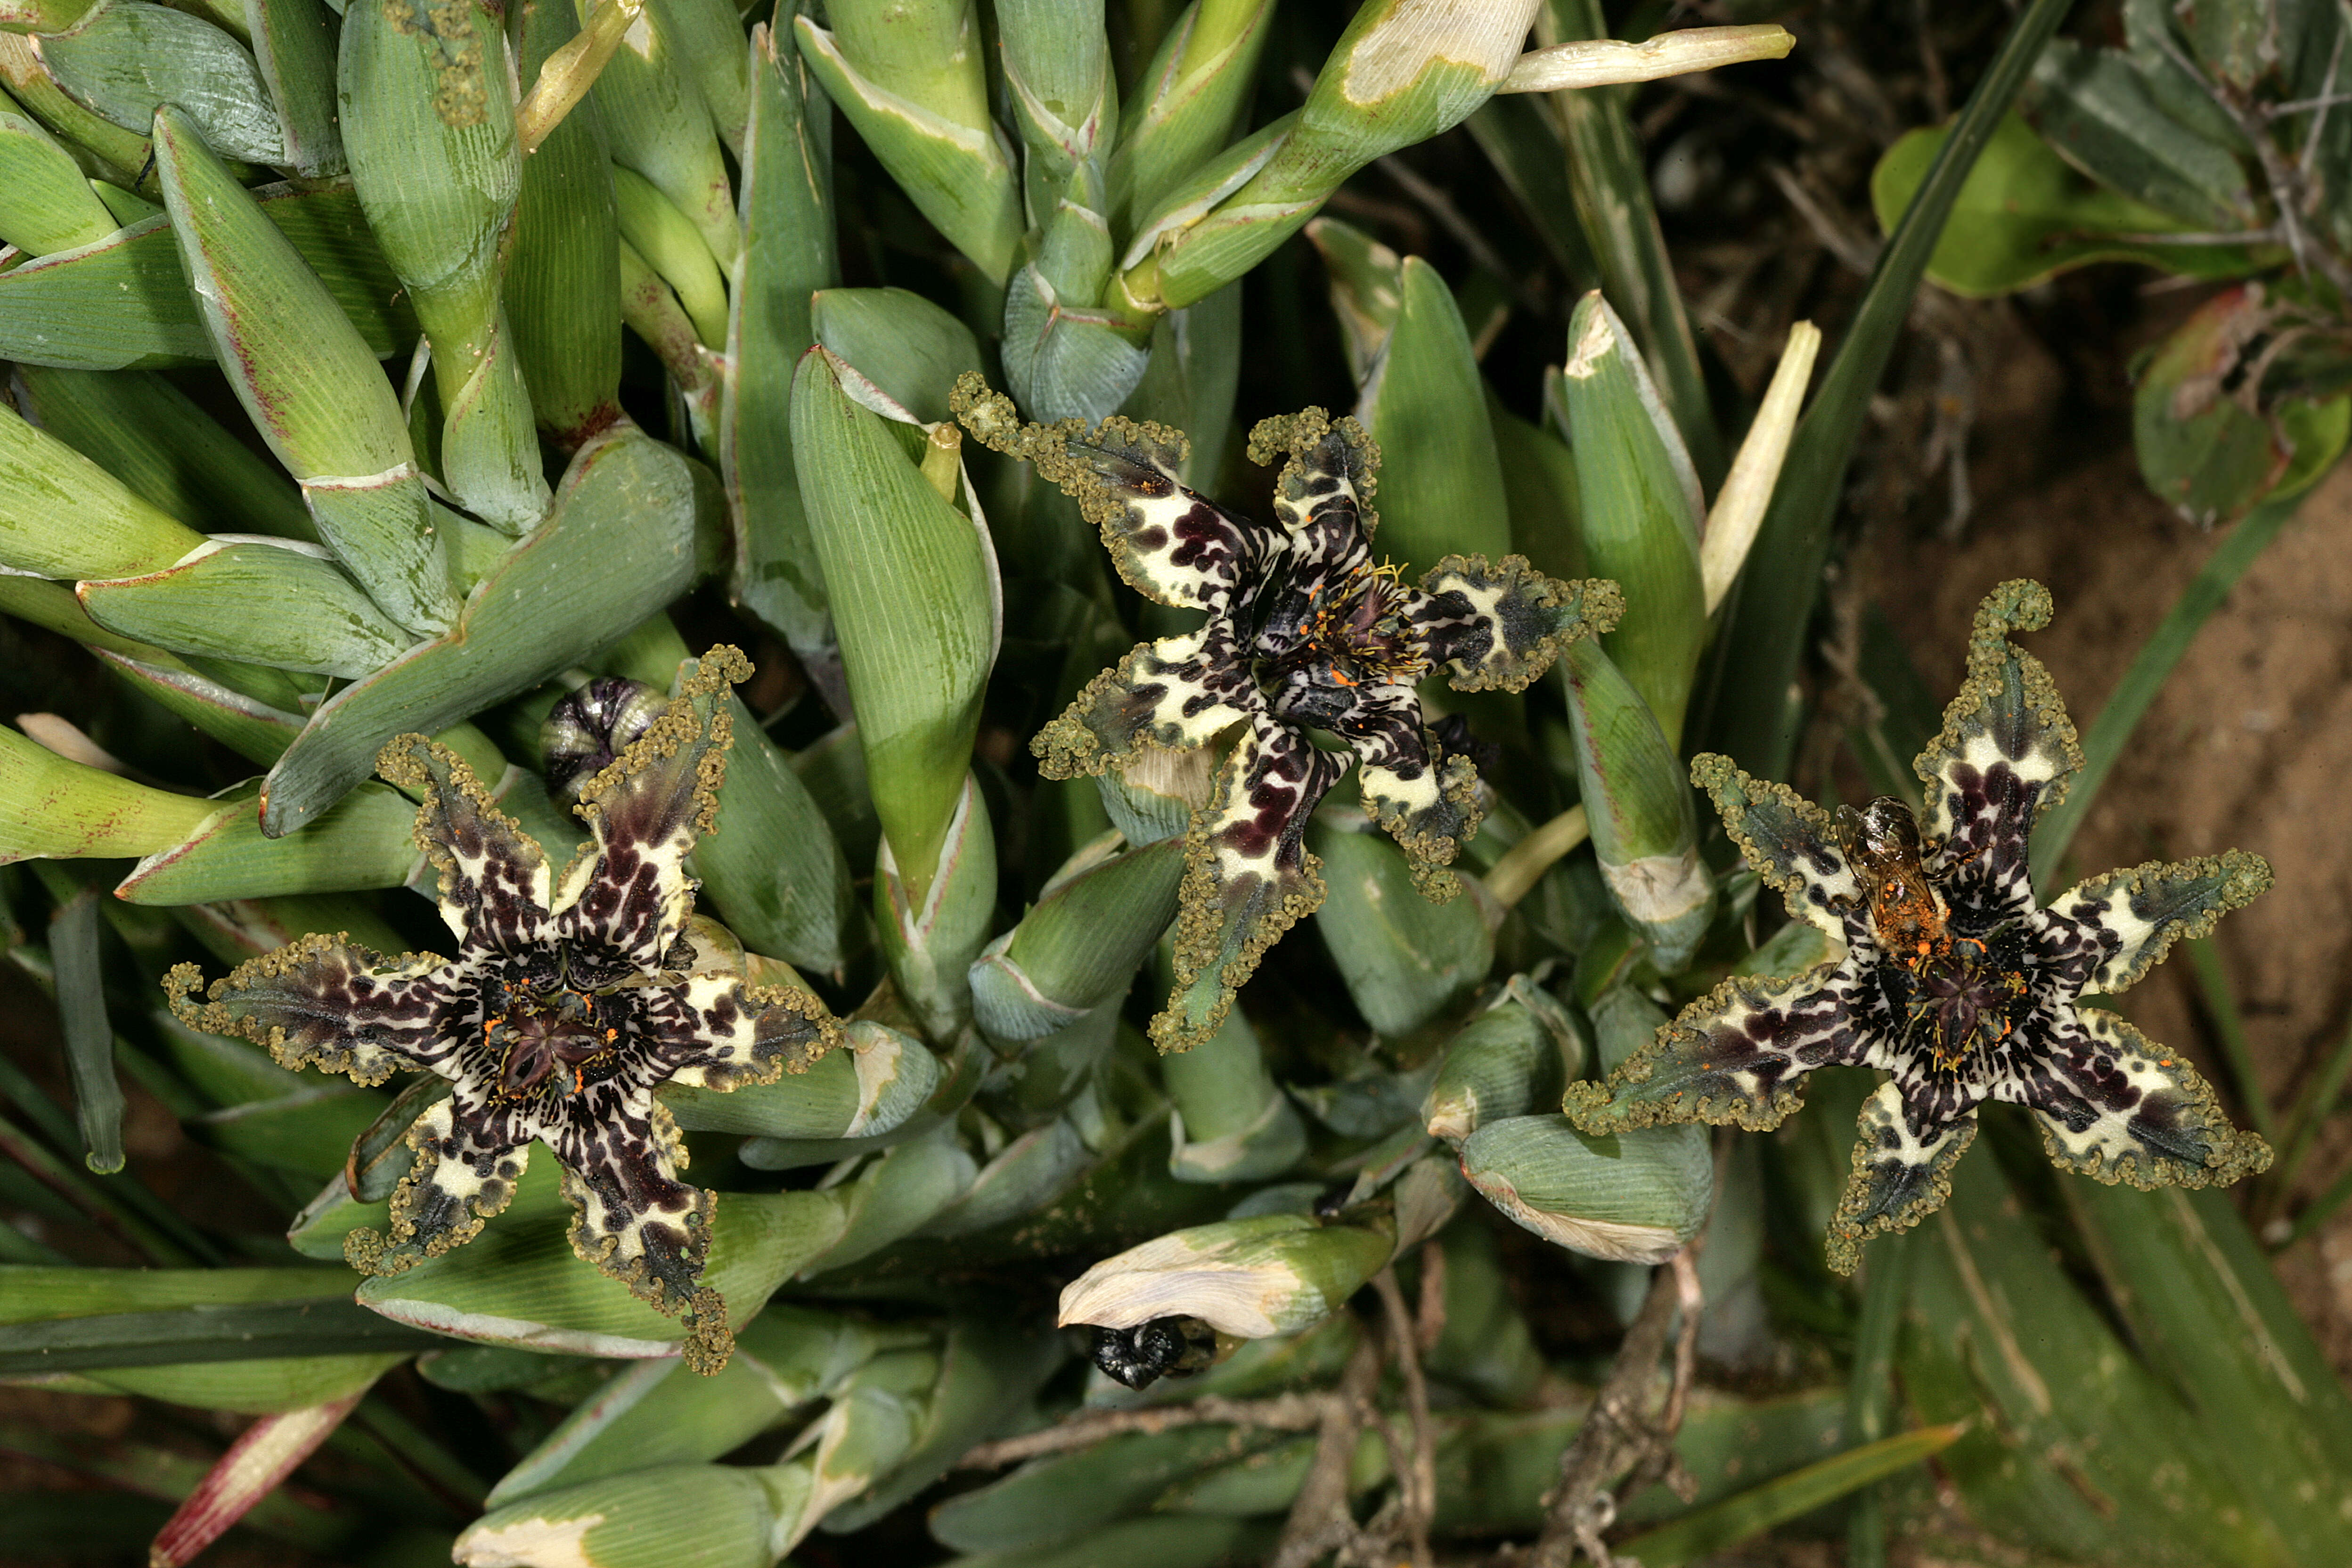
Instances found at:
x=1954 y=981
x=1303 y=633
x=574 y=996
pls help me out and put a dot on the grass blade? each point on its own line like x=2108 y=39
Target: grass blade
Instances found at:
x=1751 y=1512
x=90 y=1039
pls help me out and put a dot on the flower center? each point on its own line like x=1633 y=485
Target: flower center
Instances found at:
x=1963 y=998
x=570 y=1030
x=1346 y=631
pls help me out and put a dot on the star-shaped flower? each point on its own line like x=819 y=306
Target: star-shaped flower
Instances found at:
x=1954 y=981
x=1303 y=633
x=572 y=996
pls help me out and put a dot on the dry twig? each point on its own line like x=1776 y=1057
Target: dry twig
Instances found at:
x=1319 y=1522
x=1283 y=1413
x=1417 y=1481
x=1617 y=1434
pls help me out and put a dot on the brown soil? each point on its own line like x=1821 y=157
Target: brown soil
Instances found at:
x=2248 y=745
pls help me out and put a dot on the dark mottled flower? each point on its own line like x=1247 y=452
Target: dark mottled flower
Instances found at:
x=1954 y=981
x=1303 y=633
x=575 y=993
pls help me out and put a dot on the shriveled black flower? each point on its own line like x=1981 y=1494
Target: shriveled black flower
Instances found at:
x=1954 y=981
x=1304 y=632
x=1164 y=1347
x=574 y=994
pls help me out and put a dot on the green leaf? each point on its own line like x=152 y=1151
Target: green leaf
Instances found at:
x=900 y=341
x=151 y=436
x=365 y=840
x=320 y=1325
x=2201 y=448
x=916 y=662
x=2094 y=107
x=932 y=928
x=310 y=386
x=563 y=269
x=660 y=127
x=130 y=60
x=989 y=1368
x=428 y=123
x=1042 y=1504
x=2205 y=1306
x=2002 y=1338
x=61 y=515
x=1634 y=1197
x=1188 y=102
x=520 y=1283
x=618 y=545
x=1523 y=142
x=47 y=205
x=1757 y=1510
x=656 y=1413
x=1079 y=946
x=294 y=50
x=788 y=257
x=1640 y=507
x=308 y=1134
x=318 y=619
x=121 y=154
x=1405 y=961
x=868 y=1089
x=708 y=36
x=2025 y=215
x=1400 y=74
x=1442 y=489
x=1637 y=800
x=772 y=866
x=656 y=230
x=89 y=1037
x=918 y=96
x=124 y=303
x=54 y=809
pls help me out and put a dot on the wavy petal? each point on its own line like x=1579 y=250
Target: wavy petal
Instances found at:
x=322 y=1002
x=628 y=900
x=1501 y=626
x=470 y=1152
x=1179 y=692
x=2114 y=929
x=1791 y=843
x=1902 y=1173
x=1430 y=806
x=2005 y=753
x=1247 y=875
x=634 y=1219
x=495 y=882
x=1733 y=1055
x=712 y=1032
x=1323 y=496
x=1169 y=543
x=2115 y=1106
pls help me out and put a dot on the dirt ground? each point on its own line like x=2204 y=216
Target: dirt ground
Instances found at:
x=2248 y=745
